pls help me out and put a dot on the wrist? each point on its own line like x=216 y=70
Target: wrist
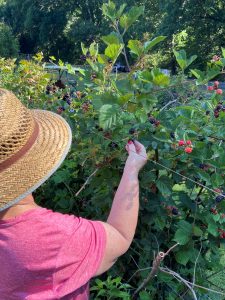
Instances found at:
x=131 y=170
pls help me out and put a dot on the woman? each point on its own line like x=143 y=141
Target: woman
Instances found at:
x=46 y=255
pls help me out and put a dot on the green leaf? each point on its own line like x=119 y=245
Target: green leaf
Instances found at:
x=197 y=231
x=160 y=78
x=223 y=52
x=182 y=59
x=184 y=232
x=164 y=185
x=108 y=115
x=213 y=229
x=182 y=257
x=93 y=49
x=112 y=38
x=181 y=237
x=128 y=19
x=84 y=49
x=145 y=76
x=102 y=59
x=150 y=44
x=109 y=10
x=136 y=47
x=113 y=51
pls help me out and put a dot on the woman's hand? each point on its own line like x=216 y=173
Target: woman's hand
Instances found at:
x=137 y=156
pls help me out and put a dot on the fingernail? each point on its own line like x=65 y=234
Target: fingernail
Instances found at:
x=130 y=142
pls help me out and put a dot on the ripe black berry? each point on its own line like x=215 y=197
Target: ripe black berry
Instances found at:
x=175 y=211
x=152 y=120
x=113 y=145
x=219 y=107
x=172 y=135
x=219 y=198
x=132 y=131
x=207 y=112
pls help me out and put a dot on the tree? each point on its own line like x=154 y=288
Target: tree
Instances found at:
x=204 y=25
x=9 y=46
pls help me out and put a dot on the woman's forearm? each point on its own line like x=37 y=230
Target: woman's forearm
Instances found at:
x=124 y=212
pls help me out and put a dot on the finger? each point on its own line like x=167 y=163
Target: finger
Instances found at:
x=139 y=146
x=131 y=146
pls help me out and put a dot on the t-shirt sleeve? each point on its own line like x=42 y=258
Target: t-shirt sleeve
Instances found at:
x=79 y=256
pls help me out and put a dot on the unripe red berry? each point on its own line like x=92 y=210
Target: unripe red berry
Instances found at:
x=219 y=92
x=210 y=88
x=181 y=143
x=188 y=149
x=216 y=83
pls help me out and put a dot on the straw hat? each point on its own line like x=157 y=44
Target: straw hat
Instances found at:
x=33 y=144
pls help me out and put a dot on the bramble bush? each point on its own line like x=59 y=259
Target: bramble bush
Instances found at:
x=179 y=119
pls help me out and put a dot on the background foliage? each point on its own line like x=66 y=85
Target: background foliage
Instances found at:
x=57 y=28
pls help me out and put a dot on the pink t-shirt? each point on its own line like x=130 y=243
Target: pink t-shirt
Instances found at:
x=46 y=255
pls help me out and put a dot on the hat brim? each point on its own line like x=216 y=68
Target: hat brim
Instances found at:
x=40 y=162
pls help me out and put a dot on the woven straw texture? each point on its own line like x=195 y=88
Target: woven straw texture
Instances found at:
x=41 y=160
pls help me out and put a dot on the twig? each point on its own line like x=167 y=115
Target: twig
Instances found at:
x=196 y=265
x=168 y=271
x=179 y=278
x=156 y=263
x=86 y=182
x=169 y=103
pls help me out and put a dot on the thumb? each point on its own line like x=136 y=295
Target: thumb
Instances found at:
x=131 y=147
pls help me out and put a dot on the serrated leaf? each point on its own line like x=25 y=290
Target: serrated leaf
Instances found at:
x=136 y=47
x=102 y=59
x=112 y=38
x=160 y=78
x=164 y=185
x=150 y=44
x=113 y=51
x=182 y=257
x=223 y=51
x=182 y=237
x=108 y=115
x=145 y=76
x=197 y=231
x=129 y=18
x=213 y=229
x=84 y=49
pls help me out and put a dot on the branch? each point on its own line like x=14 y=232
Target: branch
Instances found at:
x=177 y=276
x=156 y=263
x=86 y=182
x=169 y=103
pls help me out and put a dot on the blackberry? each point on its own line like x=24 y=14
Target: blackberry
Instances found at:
x=132 y=131
x=219 y=199
x=175 y=211
x=172 y=135
x=207 y=112
x=113 y=145
x=152 y=120
x=219 y=107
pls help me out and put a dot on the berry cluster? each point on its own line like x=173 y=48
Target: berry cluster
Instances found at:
x=153 y=120
x=67 y=98
x=172 y=210
x=218 y=109
x=215 y=88
x=204 y=167
x=86 y=106
x=60 y=110
x=188 y=147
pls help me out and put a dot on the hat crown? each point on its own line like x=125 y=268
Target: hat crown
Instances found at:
x=16 y=125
